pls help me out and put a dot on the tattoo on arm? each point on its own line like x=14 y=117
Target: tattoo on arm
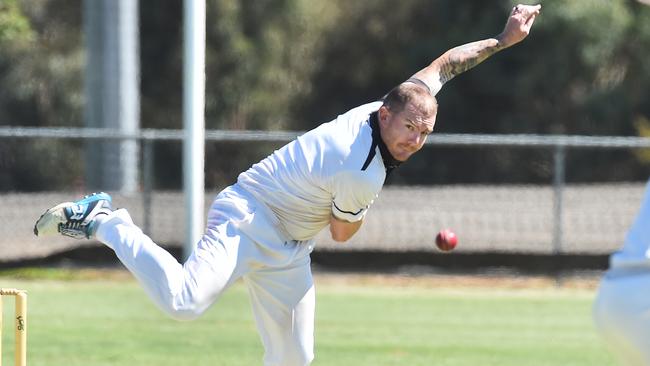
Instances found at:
x=462 y=58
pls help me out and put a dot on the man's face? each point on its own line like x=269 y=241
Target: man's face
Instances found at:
x=405 y=132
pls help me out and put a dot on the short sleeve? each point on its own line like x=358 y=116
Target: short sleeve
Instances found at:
x=353 y=195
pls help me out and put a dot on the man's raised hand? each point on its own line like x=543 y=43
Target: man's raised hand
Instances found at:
x=520 y=21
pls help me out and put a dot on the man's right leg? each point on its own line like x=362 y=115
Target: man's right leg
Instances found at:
x=183 y=291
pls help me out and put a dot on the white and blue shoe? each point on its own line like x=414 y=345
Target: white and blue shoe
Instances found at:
x=74 y=219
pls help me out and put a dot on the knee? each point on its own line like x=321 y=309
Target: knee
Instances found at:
x=182 y=308
x=183 y=315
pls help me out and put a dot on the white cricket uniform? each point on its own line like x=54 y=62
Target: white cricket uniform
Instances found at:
x=622 y=307
x=261 y=229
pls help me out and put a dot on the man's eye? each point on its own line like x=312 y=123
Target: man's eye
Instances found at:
x=410 y=127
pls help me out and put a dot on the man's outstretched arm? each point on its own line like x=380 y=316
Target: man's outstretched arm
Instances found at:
x=462 y=58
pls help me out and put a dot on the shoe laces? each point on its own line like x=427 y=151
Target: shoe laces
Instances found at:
x=72 y=225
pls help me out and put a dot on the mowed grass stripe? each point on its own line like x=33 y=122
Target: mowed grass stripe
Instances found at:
x=84 y=320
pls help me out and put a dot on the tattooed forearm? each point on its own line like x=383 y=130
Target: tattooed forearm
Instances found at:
x=462 y=58
x=456 y=61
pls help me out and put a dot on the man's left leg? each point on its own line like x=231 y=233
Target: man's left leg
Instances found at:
x=283 y=301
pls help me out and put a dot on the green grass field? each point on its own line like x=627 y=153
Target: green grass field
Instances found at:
x=77 y=318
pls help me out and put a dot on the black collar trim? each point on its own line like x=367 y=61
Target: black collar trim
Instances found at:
x=389 y=161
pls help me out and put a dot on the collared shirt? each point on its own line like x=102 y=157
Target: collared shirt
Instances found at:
x=337 y=168
x=389 y=161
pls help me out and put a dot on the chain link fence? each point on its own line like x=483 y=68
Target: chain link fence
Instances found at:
x=553 y=218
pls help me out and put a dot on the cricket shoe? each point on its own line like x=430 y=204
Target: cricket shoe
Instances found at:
x=74 y=219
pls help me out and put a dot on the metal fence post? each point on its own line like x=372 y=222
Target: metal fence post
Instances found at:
x=559 y=162
x=147 y=184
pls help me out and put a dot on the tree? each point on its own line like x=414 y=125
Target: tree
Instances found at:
x=40 y=79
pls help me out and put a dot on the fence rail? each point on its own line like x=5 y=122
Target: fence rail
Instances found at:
x=558 y=145
x=441 y=139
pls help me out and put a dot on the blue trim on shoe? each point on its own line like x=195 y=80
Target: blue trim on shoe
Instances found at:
x=81 y=215
x=80 y=209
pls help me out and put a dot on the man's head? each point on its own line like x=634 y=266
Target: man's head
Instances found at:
x=406 y=119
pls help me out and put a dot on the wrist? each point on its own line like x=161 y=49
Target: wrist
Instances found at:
x=503 y=41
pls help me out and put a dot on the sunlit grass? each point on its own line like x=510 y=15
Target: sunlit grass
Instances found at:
x=98 y=317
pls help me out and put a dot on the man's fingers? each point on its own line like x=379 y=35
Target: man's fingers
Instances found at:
x=530 y=20
x=526 y=10
x=526 y=14
x=532 y=9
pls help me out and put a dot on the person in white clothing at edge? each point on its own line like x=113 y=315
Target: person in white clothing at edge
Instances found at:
x=261 y=228
x=621 y=309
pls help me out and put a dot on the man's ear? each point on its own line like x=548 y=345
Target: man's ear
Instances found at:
x=383 y=113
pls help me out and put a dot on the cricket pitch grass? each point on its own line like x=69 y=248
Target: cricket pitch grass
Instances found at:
x=93 y=318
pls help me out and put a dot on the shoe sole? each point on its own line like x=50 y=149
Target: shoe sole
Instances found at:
x=48 y=223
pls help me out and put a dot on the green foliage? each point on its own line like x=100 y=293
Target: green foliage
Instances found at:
x=259 y=57
x=585 y=20
x=583 y=69
x=293 y=64
x=41 y=72
x=41 y=68
x=14 y=26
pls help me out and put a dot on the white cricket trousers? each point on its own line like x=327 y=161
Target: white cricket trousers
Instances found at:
x=621 y=313
x=242 y=240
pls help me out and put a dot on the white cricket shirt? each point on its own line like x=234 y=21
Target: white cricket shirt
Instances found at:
x=335 y=168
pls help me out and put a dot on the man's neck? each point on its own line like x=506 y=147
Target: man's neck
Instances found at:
x=389 y=161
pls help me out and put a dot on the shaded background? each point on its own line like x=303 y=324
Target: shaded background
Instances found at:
x=293 y=64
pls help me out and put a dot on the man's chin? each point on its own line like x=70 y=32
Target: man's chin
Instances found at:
x=402 y=155
x=405 y=155
x=403 y=158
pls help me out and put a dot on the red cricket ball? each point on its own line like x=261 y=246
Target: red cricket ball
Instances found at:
x=446 y=240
